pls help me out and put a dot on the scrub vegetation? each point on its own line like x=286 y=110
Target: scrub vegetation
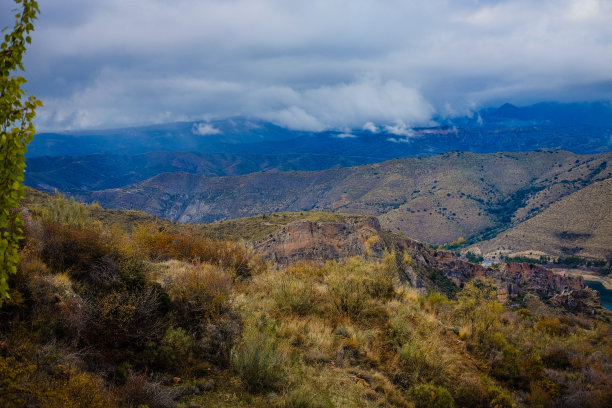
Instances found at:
x=163 y=316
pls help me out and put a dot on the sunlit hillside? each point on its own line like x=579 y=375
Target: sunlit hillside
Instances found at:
x=161 y=315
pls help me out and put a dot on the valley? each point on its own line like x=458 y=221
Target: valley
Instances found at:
x=273 y=204
x=579 y=224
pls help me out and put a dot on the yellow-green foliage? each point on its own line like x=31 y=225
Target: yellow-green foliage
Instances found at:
x=16 y=384
x=66 y=211
x=116 y=319
x=306 y=396
x=354 y=282
x=16 y=130
x=176 y=349
x=132 y=317
x=431 y=396
x=52 y=385
x=294 y=294
x=258 y=361
x=479 y=309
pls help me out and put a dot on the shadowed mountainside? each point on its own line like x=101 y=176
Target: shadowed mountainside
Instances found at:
x=73 y=174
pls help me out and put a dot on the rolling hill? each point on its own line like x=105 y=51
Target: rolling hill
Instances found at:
x=435 y=199
x=327 y=310
x=578 y=224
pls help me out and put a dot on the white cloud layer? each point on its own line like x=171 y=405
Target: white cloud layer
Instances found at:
x=205 y=129
x=313 y=65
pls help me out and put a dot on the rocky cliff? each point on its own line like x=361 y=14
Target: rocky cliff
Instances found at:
x=515 y=277
x=321 y=241
x=425 y=267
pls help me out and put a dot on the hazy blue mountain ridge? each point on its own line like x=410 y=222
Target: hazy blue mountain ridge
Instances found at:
x=581 y=128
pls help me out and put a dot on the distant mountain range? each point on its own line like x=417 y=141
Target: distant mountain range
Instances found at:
x=435 y=199
x=581 y=128
x=208 y=171
x=75 y=174
x=92 y=160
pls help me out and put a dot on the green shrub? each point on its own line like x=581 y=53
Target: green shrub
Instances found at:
x=258 y=362
x=498 y=397
x=348 y=293
x=294 y=294
x=17 y=386
x=66 y=211
x=352 y=283
x=436 y=301
x=175 y=349
x=550 y=325
x=132 y=272
x=420 y=361
x=431 y=396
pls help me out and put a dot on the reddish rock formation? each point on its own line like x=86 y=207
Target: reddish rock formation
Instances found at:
x=583 y=300
x=323 y=241
x=513 y=277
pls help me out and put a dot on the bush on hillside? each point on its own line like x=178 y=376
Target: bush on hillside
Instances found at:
x=159 y=243
x=258 y=361
x=431 y=396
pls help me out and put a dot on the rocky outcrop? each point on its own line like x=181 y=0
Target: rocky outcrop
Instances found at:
x=322 y=241
x=515 y=277
x=583 y=300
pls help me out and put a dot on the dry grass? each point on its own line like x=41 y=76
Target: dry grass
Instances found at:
x=344 y=334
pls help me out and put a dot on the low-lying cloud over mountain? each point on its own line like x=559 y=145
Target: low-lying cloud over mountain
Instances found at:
x=310 y=65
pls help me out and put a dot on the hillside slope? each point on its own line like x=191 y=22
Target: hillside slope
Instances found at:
x=435 y=199
x=578 y=224
x=190 y=321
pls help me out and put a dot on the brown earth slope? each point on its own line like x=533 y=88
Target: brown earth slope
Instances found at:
x=435 y=199
x=578 y=224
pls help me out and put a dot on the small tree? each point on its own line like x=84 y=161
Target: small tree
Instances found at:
x=16 y=114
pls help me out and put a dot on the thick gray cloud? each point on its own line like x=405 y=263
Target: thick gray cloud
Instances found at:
x=311 y=65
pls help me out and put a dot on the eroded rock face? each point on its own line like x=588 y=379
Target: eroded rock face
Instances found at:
x=322 y=241
x=513 y=277
x=583 y=300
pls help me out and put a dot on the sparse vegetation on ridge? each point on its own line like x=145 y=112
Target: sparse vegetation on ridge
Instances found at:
x=116 y=318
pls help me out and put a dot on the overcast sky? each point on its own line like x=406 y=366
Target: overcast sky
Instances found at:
x=314 y=65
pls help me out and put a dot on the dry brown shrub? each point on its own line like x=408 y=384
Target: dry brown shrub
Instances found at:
x=199 y=293
x=141 y=391
x=200 y=296
x=131 y=319
x=161 y=244
x=81 y=252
